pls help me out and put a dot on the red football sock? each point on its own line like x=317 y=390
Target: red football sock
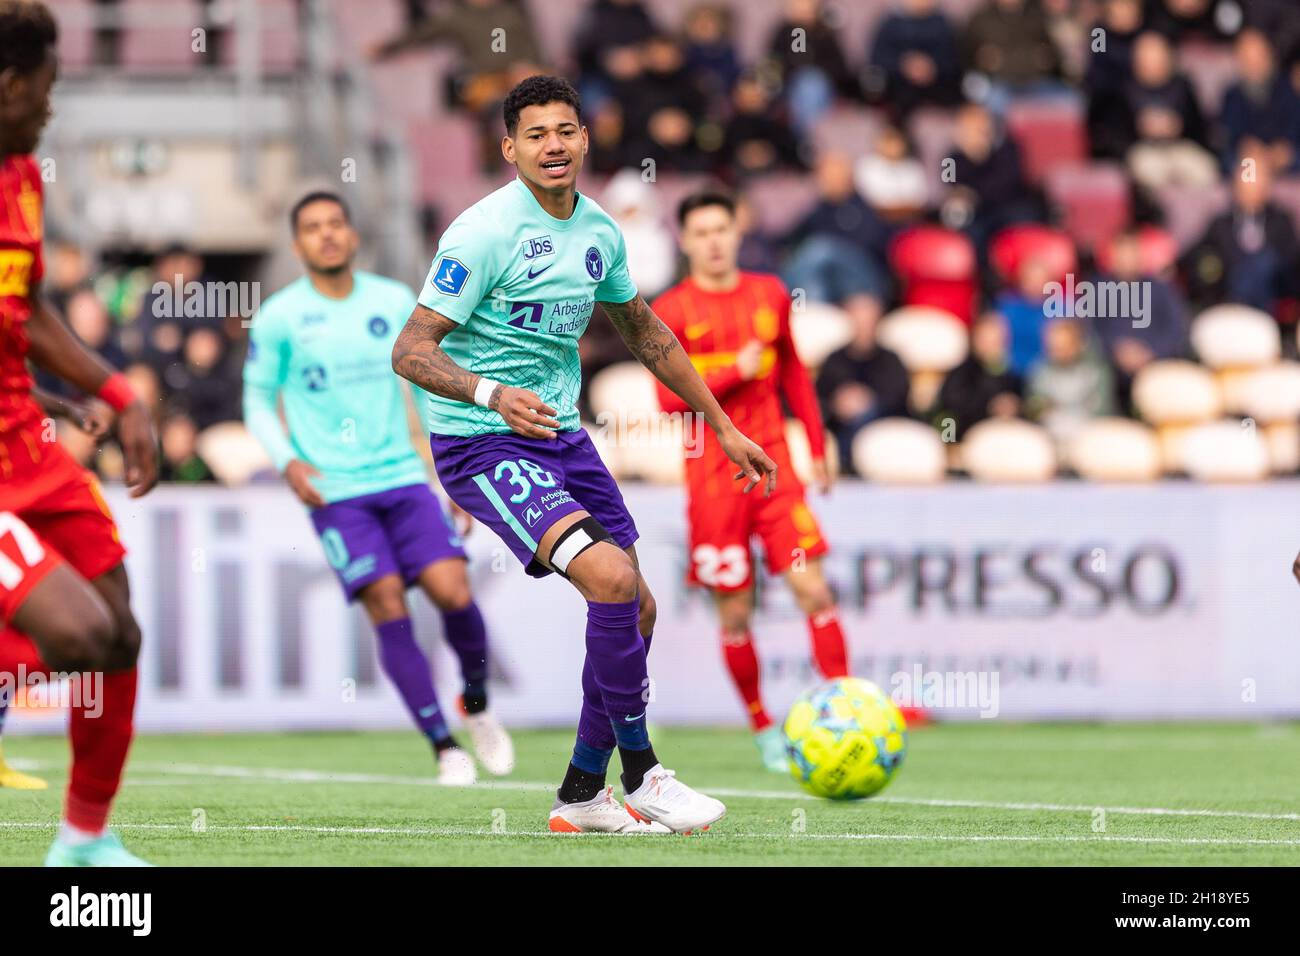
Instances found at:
x=828 y=643
x=742 y=662
x=101 y=737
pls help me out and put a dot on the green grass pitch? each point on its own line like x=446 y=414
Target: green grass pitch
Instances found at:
x=977 y=793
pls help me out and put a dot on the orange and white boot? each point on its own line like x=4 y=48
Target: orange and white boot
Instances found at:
x=601 y=814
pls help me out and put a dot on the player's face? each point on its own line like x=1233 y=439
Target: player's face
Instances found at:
x=25 y=105
x=325 y=240
x=711 y=241
x=548 y=146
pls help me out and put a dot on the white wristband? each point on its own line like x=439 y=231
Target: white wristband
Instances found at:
x=483 y=391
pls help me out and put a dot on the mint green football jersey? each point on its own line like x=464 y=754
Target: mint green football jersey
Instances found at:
x=522 y=285
x=330 y=360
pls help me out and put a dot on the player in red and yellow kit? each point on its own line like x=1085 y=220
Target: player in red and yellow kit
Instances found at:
x=62 y=581
x=736 y=327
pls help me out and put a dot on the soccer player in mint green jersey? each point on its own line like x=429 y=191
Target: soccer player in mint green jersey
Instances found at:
x=323 y=344
x=494 y=340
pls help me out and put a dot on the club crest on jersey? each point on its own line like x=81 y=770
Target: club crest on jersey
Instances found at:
x=538 y=246
x=313 y=377
x=450 y=276
x=595 y=264
x=378 y=326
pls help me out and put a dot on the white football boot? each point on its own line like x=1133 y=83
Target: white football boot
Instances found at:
x=662 y=798
x=491 y=743
x=456 y=768
x=601 y=814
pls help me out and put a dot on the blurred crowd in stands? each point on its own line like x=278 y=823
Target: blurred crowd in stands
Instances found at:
x=970 y=156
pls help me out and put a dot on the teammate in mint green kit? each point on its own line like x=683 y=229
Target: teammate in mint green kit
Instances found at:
x=494 y=340
x=324 y=343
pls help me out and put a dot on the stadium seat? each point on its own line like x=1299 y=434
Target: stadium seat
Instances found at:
x=1157 y=247
x=930 y=342
x=443 y=149
x=360 y=27
x=231 y=452
x=1115 y=450
x=1050 y=133
x=279 y=49
x=624 y=388
x=1236 y=337
x=926 y=339
x=1013 y=245
x=818 y=329
x=1225 y=452
x=1003 y=450
x=937 y=268
x=899 y=451
x=654 y=455
x=846 y=129
x=931 y=130
x=1271 y=395
x=1177 y=392
x=1188 y=210
x=76 y=34
x=1093 y=200
x=408 y=86
x=637 y=437
x=779 y=201
x=796 y=440
x=1282 y=439
x=1211 y=68
x=157 y=37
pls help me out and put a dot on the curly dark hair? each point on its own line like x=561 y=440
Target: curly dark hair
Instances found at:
x=538 y=91
x=27 y=31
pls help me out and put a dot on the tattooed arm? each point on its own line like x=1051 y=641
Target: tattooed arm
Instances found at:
x=418 y=357
x=656 y=347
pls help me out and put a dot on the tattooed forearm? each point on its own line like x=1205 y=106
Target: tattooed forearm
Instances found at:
x=646 y=336
x=418 y=357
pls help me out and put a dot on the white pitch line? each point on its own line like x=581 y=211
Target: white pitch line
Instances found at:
x=720 y=835
x=292 y=775
x=314 y=776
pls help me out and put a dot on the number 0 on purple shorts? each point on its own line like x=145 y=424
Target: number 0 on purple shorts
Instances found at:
x=520 y=486
x=399 y=531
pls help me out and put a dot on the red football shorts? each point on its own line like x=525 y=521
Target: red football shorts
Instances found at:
x=51 y=514
x=723 y=526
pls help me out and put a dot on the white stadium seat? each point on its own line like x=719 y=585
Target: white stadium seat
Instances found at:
x=1115 y=449
x=925 y=339
x=1271 y=394
x=900 y=451
x=796 y=440
x=1236 y=337
x=1227 y=451
x=1177 y=392
x=653 y=454
x=818 y=329
x=1283 y=442
x=998 y=450
x=625 y=388
x=231 y=452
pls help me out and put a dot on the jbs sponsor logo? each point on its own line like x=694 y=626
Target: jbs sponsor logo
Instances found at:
x=538 y=246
